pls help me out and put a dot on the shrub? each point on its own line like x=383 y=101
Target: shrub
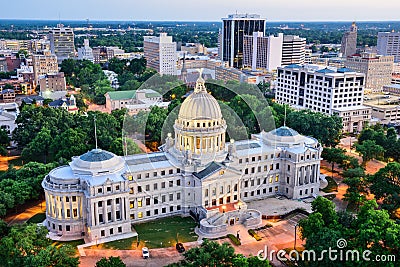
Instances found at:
x=254 y=234
x=234 y=239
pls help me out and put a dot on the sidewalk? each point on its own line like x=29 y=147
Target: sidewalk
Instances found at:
x=25 y=215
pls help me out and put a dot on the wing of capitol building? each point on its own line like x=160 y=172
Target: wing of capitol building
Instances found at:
x=196 y=173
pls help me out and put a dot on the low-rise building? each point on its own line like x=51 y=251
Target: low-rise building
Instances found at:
x=8 y=95
x=67 y=103
x=134 y=100
x=393 y=89
x=53 y=82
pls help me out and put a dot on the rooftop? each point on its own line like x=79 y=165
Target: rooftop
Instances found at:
x=130 y=94
x=96 y=155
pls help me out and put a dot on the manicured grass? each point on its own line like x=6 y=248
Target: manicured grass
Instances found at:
x=159 y=233
x=37 y=218
x=332 y=185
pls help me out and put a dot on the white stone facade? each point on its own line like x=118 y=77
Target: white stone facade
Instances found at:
x=195 y=173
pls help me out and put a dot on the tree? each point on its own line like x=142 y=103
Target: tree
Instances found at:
x=357 y=186
x=110 y=262
x=369 y=150
x=333 y=155
x=211 y=253
x=385 y=185
x=70 y=143
x=39 y=147
x=27 y=245
x=4 y=142
x=326 y=208
x=126 y=147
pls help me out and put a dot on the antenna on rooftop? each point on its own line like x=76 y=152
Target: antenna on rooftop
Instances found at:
x=95 y=130
x=284 y=121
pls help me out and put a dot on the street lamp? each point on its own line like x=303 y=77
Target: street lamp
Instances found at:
x=295 y=236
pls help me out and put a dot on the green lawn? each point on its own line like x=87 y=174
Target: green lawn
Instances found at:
x=332 y=185
x=158 y=233
x=37 y=218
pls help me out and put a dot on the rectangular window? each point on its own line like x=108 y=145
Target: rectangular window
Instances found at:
x=99 y=190
x=171 y=183
x=139 y=189
x=119 y=229
x=109 y=216
x=163 y=199
x=245 y=194
x=178 y=196
x=178 y=182
x=178 y=170
x=277 y=178
x=270 y=179
x=171 y=197
x=164 y=210
x=140 y=215
x=171 y=208
x=163 y=185
x=108 y=188
x=154 y=174
x=252 y=182
x=147 y=187
x=118 y=215
x=147 y=201
x=75 y=212
x=139 y=176
x=68 y=213
x=277 y=166
x=102 y=233
x=67 y=228
x=162 y=172
x=131 y=204
x=155 y=186
x=148 y=213
x=108 y=202
x=221 y=191
x=117 y=201
x=178 y=207
x=130 y=177
x=101 y=218
x=139 y=203
x=156 y=212
x=147 y=175
x=171 y=171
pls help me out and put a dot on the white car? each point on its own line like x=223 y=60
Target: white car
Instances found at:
x=145 y=253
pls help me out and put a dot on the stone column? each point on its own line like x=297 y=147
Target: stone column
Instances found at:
x=122 y=208
x=113 y=210
x=71 y=212
x=94 y=213
x=62 y=208
x=105 y=214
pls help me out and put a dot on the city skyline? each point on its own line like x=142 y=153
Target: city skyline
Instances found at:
x=151 y=10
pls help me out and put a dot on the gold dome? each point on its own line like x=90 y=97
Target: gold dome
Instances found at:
x=200 y=105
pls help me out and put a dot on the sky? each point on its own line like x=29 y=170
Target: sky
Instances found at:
x=201 y=10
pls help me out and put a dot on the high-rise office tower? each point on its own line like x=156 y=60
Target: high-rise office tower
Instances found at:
x=44 y=64
x=86 y=52
x=389 y=44
x=377 y=69
x=262 y=52
x=235 y=27
x=293 y=50
x=349 y=41
x=160 y=53
x=62 y=42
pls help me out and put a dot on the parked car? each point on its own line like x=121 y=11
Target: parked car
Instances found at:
x=180 y=248
x=145 y=253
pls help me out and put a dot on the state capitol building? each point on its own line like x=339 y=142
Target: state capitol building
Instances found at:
x=196 y=173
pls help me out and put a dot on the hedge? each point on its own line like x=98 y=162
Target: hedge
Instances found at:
x=234 y=239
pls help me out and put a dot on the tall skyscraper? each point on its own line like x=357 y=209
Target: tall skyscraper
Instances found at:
x=160 y=53
x=377 y=69
x=43 y=65
x=389 y=44
x=293 y=50
x=262 y=52
x=235 y=27
x=62 y=42
x=349 y=41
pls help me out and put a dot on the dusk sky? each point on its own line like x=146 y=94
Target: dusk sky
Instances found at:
x=203 y=10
